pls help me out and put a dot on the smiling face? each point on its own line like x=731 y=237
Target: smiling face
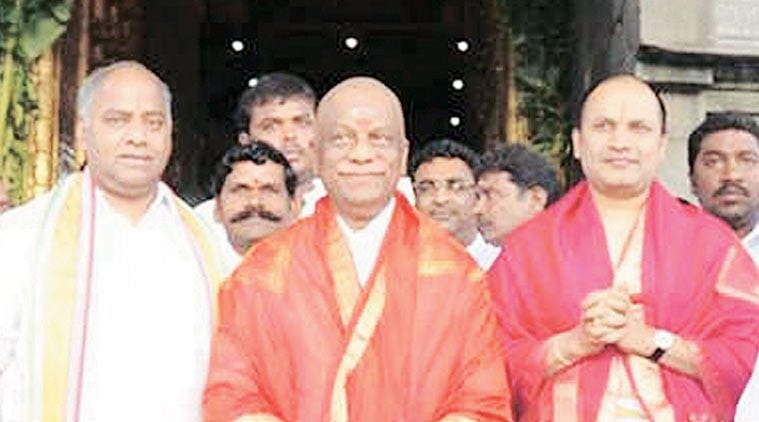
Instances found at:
x=725 y=177
x=127 y=133
x=362 y=148
x=620 y=143
x=445 y=190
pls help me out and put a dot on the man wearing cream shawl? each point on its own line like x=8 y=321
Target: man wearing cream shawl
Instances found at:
x=107 y=283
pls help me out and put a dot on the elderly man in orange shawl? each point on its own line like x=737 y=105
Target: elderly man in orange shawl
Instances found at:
x=620 y=302
x=366 y=311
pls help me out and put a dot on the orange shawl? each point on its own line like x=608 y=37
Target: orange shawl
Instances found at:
x=298 y=339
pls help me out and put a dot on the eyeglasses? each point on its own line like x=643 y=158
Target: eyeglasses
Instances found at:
x=427 y=187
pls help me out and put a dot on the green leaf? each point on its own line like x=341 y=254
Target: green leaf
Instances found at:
x=42 y=28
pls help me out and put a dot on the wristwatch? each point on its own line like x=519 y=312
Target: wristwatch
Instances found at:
x=663 y=340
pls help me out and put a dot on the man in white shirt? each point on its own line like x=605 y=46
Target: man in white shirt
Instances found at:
x=108 y=280
x=279 y=110
x=723 y=158
x=515 y=183
x=254 y=187
x=443 y=173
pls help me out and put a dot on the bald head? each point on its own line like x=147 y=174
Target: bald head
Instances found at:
x=362 y=90
x=362 y=147
x=94 y=81
x=627 y=80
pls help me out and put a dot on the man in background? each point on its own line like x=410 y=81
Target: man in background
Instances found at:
x=515 y=183
x=254 y=188
x=723 y=158
x=443 y=173
x=279 y=110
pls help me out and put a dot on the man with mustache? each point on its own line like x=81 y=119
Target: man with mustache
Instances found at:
x=108 y=281
x=443 y=174
x=723 y=158
x=364 y=311
x=279 y=110
x=619 y=302
x=255 y=194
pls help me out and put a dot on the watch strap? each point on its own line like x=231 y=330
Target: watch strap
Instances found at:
x=657 y=354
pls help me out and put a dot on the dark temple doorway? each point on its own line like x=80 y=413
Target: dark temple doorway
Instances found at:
x=426 y=51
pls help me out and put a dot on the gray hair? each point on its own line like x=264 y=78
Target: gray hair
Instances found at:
x=94 y=80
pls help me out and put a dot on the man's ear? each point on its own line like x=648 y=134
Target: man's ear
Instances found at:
x=538 y=198
x=243 y=138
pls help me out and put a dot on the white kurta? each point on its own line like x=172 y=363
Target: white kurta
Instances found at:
x=751 y=243
x=149 y=324
x=748 y=405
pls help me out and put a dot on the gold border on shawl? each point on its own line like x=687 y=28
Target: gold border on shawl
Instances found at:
x=345 y=280
x=359 y=341
x=212 y=261
x=60 y=298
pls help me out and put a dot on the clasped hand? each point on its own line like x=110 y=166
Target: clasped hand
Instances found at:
x=608 y=319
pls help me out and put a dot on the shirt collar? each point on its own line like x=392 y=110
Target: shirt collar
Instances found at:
x=378 y=224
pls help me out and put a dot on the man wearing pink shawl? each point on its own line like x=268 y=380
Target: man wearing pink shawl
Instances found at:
x=620 y=302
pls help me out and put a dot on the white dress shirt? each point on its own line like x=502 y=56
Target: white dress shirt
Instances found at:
x=748 y=405
x=364 y=244
x=751 y=243
x=483 y=252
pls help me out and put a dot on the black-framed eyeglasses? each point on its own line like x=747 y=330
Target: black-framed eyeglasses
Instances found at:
x=426 y=187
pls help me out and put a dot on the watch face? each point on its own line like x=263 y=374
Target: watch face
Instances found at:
x=663 y=339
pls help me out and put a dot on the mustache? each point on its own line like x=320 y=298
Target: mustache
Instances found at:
x=259 y=212
x=730 y=186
